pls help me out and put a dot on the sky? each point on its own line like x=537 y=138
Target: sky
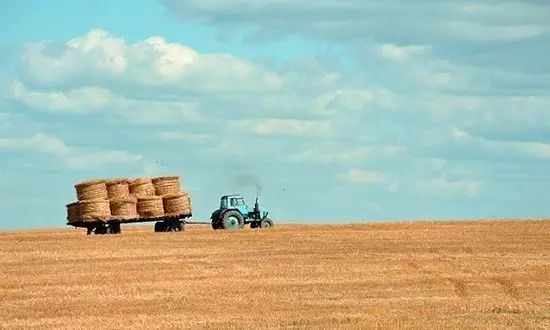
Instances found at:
x=341 y=111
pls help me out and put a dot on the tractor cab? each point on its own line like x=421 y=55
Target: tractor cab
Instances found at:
x=234 y=214
x=234 y=202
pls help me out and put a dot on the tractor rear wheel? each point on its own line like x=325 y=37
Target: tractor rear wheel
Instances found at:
x=232 y=220
x=216 y=224
x=266 y=223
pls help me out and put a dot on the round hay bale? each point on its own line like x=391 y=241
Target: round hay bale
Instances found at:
x=142 y=188
x=73 y=212
x=166 y=185
x=176 y=204
x=118 y=188
x=91 y=190
x=123 y=208
x=150 y=206
x=93 y=210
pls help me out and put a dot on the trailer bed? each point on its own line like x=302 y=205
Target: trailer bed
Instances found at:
x=172 y=222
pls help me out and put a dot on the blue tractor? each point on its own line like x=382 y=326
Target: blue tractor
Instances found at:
x=234 y=214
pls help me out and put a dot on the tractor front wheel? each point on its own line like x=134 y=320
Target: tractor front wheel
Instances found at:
x=232 y=220
x=266 y=223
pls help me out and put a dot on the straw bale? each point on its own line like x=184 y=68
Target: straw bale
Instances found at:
x=118 y=188
x=150 y=206
x=166 y=185
x=124 y=208
x=142 y=188
x=73 y=212
x=91 y=190
x=176 y=204
x=98 y=209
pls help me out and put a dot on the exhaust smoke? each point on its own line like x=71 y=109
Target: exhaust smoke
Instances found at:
x=247 y=180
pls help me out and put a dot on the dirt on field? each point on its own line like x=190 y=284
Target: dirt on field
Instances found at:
x=420 y=274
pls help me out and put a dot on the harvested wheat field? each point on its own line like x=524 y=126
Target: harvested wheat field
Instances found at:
x=422 y=275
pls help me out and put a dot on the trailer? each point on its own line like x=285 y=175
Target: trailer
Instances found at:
x=166 y=223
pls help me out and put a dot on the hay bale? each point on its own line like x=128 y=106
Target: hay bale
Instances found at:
x=93 y=210
x=91 y=190
x=142 y=188
x=176 y=204
x=73 y=212
x=166 y=185
x=118 y=188
x=123 y=208
x=150 y=206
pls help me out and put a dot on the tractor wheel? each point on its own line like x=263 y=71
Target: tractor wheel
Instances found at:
x=216 y=224
x=232 y=220
x=266 y=223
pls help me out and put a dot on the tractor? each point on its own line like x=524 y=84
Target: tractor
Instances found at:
x=234 y=214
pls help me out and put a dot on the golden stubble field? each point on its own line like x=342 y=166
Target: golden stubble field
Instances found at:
x=421 y=275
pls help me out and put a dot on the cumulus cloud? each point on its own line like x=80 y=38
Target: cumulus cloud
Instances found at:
x=390 y=20
x=364 y=176
x=71 y=158
x=195 y=138
x=337 y=153
x=399 y=53
x=445 y=187
x=99 y=58
x=532 y=149
x=282 y=127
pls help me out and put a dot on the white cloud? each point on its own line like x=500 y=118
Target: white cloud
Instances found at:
x=282 y=127
x=441 y=185
x=364 y=176
x=193 y=138
x=390 y=20
x=98 y=58
x=330 y=155
x=527 y=148
x=72 y=158
x=399 y=53
x=87 y=100
x=333 y=153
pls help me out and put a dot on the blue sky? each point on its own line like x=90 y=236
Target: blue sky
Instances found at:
x=342 y=111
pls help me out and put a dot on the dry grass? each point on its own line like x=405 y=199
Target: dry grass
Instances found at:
x=421 y=275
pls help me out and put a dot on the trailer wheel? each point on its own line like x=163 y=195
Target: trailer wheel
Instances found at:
x=159 y=227
x=266 y=223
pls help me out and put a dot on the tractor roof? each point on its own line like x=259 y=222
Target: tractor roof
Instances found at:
x=232 y=195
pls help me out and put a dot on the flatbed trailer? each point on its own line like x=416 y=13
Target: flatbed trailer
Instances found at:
x=162 y=224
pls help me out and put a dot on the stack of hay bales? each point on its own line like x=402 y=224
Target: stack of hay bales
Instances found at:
x=127 y=199
x=175 y=201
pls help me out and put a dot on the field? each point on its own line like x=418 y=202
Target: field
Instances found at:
x=420 y=274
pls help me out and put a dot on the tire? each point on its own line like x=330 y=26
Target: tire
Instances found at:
x=181 y=226
x=216 y=224
x=115 y=228
x=232 y=220
x=159 y=227
x=254 y=225
x=266 y=223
